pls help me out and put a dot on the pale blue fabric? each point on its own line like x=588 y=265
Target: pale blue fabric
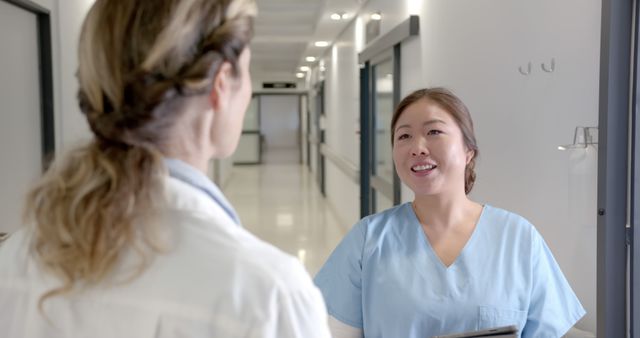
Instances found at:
x=194 y=177
x=385 y=278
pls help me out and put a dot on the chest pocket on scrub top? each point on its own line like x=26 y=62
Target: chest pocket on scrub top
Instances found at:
x=490 y=317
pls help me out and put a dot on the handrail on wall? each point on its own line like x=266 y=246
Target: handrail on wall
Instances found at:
x=346 y=166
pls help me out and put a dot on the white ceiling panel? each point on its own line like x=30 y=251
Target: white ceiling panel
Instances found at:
x=286 y=29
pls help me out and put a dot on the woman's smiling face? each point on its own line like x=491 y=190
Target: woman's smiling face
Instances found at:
x=428 y=150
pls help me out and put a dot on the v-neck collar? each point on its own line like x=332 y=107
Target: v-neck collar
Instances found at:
x=429 y=248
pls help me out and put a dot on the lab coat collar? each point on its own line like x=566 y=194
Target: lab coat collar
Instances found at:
x=195 y=178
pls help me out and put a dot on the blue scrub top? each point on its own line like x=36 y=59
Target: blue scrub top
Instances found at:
x=385 y=278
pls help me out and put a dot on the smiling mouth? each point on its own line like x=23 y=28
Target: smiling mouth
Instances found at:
x=423 y=168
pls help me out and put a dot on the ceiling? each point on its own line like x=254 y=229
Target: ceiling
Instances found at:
x=285 y=32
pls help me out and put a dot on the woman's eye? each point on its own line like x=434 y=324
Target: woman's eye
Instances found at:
x=434 y=132
x=403 y=136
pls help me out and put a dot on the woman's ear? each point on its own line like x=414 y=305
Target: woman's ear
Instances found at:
x=470 y=155
x=221 y=89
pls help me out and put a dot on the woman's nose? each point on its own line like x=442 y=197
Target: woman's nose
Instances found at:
x=419 y=147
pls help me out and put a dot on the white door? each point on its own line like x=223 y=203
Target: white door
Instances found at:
x=280 y=125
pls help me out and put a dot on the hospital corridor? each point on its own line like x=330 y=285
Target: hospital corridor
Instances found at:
x=281 y=204
x=318 y=168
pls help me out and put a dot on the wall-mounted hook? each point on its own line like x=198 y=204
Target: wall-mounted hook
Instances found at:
x=525 y=72
x=582 y=138
x=549 y=69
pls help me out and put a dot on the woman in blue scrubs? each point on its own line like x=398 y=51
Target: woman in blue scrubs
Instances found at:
x=443 y=263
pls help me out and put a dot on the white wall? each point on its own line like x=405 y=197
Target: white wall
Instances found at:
x=20 y=132
x=475 y=49
x=342 y=110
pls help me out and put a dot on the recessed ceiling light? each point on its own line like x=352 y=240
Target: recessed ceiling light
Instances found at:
x=305 y=68
x=310 y=59
x=299 y=75
x=339 y=16
x=321 y=44
x=376 y=16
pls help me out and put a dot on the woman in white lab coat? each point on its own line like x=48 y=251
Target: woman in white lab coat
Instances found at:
x=126 y=236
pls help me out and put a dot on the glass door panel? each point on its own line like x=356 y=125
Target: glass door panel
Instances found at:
x=382 y=171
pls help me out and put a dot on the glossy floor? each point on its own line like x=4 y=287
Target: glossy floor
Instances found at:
x=281 y=204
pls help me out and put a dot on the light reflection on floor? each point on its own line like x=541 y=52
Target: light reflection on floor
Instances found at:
x=281 y=204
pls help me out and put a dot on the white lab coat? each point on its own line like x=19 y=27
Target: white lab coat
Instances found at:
x=215 y=280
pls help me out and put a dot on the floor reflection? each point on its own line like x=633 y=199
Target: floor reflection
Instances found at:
x=282 y=204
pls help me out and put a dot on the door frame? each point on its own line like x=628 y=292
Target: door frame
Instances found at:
x=613 y=237
x=390 y=44
x=47 y=119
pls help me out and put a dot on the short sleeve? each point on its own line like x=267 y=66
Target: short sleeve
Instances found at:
x=554 y=307
x=340 y=279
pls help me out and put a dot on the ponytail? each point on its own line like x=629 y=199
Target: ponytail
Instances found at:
x=85 y=207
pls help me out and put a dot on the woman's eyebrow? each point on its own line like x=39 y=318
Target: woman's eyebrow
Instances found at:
x=426 y=123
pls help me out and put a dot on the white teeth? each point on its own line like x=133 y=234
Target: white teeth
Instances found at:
x=423 y=167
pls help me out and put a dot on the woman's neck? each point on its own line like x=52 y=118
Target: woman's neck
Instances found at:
x=189 y=139
x=444 y=213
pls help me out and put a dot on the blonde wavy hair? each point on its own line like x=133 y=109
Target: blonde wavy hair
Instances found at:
x=140 y=62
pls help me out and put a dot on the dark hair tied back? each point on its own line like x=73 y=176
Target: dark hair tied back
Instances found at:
x=453 y=105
